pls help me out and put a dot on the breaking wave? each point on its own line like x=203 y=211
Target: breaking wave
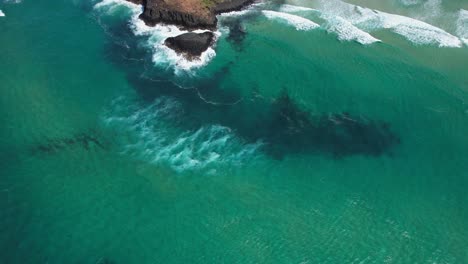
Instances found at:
x=2 y=14
x=347 y=31
x=334 y=24
x=416 y=31
x=148 y=133
x=294 y=8
x=298 y=22
x=413 y=30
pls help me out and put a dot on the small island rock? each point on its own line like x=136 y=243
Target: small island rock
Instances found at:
x=191 y=44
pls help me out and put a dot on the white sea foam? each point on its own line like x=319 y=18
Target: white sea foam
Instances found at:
x=462 y=26
x=110 y=6
x=236 y=13
x=162 y=55
x=347 y=31
x=432 y=9
x=148 y=134
x=298 y=22
x=2 y=14
x=344 y=29
x=294 y=8
x=410 y=2
x=414 y=30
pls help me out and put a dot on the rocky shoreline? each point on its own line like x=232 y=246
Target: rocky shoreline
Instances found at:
x=190 y=15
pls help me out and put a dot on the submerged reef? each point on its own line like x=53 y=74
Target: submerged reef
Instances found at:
x=83 y=140
x=280 y=123
x=293 y=130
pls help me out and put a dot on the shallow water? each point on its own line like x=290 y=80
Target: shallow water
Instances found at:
x=299 y=138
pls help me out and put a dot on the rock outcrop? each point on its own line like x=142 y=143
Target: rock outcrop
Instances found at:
x=157 y=11
x=230 y=5
x=191 y=44
x=190 y=14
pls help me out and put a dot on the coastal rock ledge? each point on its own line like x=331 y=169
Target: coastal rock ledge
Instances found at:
x=191 y=44
x=190 y=15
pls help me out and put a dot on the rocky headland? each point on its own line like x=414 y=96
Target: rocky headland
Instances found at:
x=189 y=15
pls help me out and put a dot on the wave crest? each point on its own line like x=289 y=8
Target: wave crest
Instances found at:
x=416 y=31
x=347 y=31
x=298 y=22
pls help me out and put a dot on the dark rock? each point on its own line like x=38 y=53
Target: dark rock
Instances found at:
x=199 y=16
x=230 y=5
x=153 y=15
x=191 y=44
x=138 y=2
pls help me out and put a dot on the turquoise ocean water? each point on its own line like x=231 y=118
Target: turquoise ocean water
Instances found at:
x=313 y=132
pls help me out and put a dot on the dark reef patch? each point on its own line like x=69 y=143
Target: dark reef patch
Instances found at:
x=83 y=140
x=237 y=30
x=237 y=34
x=291 y=130
x=283 y=125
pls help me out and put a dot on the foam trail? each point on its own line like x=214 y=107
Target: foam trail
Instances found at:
x=298 y=22
x=462 y=26
x=162 y=55
x=2 y=14
x=148 y=134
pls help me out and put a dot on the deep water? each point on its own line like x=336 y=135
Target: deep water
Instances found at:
x=295 y=143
